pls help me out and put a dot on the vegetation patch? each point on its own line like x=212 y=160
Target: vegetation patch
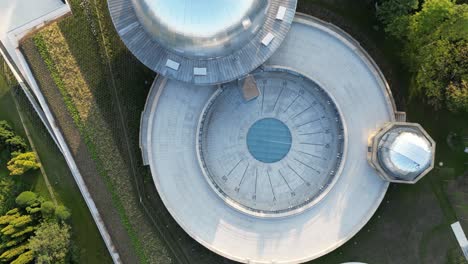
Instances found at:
x=13 y=104
x=29 y=232
x=82 y=106
x=29 y=217
x=434 y=34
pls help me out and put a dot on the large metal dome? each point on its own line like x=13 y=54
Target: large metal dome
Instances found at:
x=405 y=153
x=202 y=28
x=202 y=41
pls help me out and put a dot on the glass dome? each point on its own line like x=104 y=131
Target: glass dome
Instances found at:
x=202 y=28
x=405 y=153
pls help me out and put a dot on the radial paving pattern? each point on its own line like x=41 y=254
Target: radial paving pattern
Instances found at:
x=293 y=128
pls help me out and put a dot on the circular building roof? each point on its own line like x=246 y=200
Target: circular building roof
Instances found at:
x=276 y=155
x=204 y=41
x=203 y=28
x=405 y=153
x=323 y=55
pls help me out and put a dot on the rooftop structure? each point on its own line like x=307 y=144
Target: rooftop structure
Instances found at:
x=270 y=169
x=402 y=152
x=277 y=155
x=205 y=41
x=202 y=29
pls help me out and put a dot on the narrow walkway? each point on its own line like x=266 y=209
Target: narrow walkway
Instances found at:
x=461 y=238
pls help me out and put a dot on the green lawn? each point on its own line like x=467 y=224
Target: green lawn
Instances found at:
x=33 y=180
x=89 y=244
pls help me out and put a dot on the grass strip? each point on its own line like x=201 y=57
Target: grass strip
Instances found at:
x=75 y=114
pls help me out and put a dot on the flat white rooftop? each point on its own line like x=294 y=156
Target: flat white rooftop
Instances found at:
x=14 y=14
x=18 y=17
x=335 y=62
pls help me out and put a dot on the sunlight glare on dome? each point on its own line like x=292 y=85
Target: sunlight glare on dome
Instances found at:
x=202 y=28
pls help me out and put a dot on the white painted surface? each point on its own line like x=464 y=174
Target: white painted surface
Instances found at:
x=267 y=39
x=281 y=13
x=461 y=238
x=336 y=63
x=199 y=71
x=173 y=64
x=16 y=13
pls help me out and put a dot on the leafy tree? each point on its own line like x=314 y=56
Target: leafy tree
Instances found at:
x=5 y=133
x=9 y=139
x=22 y=163
x=392 y=10
x=4 y=124
x=458 y=95
x=435 y=41
x=48 y=250
x=16 y=144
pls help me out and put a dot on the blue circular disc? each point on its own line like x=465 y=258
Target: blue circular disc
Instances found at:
x=269 y=140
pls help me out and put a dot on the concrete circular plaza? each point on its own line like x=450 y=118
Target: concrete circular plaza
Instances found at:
x=193 y=136
x=275 y=155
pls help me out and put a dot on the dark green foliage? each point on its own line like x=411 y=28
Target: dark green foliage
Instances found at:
x=5 y=133
x=4 y=124
x=435 y=41
x=16 y=144
x=390 y=11
x=7 y=188
x=9 y=140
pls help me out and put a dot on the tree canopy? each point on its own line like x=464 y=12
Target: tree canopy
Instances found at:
x=10 y=140
x=51 y=251
x=26 y=232
x=22 y=163
x=435 y=47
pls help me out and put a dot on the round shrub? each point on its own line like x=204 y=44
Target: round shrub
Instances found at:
x=47 y=208
x=62 y=213
x=26 y=199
